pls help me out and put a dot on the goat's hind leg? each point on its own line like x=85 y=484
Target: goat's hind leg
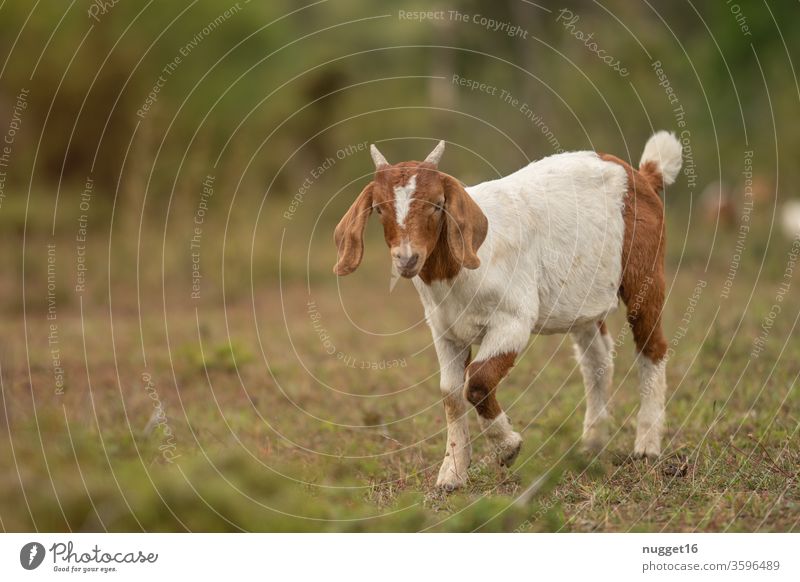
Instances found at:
x=593 y=349
x=651 y=350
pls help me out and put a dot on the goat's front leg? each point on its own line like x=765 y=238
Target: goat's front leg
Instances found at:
x=496 y=356
x=452 y=363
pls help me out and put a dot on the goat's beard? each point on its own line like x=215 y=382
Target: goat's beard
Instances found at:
x=394 y=277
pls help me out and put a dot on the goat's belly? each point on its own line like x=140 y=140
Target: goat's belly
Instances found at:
x=563 y=321
x=579 y=283
x=578 y=291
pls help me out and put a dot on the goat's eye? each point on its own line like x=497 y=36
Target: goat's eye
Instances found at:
x=439 y=206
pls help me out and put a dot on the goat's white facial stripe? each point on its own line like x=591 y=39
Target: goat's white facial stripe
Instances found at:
x=402 y=199
x=405 y=247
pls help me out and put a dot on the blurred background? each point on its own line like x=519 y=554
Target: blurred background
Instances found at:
x=146 y=100
x=171 y=173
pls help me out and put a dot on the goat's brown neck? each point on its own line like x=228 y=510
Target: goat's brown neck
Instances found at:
x=441 y=264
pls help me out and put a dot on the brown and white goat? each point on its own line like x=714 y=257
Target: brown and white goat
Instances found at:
x=548 y=249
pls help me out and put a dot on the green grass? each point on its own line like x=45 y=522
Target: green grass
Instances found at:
x=263 y=413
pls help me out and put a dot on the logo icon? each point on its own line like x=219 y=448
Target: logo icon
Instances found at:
x=31 y=555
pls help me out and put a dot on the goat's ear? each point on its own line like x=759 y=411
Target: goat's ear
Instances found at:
x=349 y=233
x=466 y=224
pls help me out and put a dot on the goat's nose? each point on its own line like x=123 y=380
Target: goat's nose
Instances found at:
x=406 y=261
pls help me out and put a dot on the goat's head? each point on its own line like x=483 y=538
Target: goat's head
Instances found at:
x=424 y=212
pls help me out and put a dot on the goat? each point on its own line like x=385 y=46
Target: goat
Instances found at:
x=548 y=249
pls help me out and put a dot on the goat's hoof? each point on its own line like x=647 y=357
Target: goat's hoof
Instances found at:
x=509 y=450
x=648 y=445
x=647 y=451
x=595 y=438
x=593 y=447
x=449 y=487
x=450 y=478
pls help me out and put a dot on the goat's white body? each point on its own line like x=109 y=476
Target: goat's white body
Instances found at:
x=551 y=260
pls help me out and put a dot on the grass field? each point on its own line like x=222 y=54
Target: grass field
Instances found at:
x=287 y=400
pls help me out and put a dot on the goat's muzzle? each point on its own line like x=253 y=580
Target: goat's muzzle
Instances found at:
x=407 y=261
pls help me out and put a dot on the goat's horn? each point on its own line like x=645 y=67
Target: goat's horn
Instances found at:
x=377 y=157
x=436 y=154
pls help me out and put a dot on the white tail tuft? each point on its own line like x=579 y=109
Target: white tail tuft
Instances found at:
x=790 y=217
x=664 y=150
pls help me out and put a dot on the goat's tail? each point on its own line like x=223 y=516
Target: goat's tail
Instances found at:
x=661 y=159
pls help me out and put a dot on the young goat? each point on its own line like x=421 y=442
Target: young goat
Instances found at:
x=549 y=249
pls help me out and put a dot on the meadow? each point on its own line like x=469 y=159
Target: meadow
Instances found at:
x=285 y=399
